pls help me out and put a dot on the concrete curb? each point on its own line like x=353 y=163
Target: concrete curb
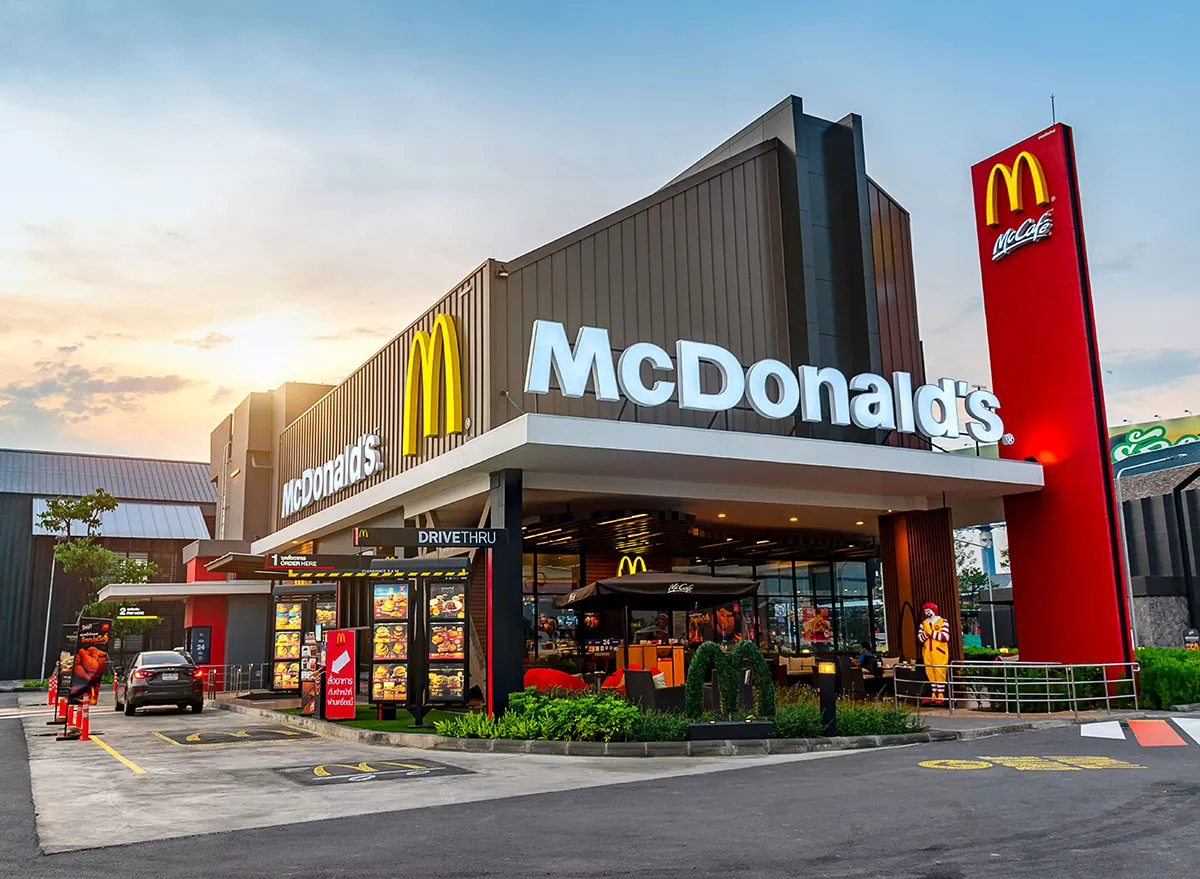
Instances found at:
x=1188 y=706
x=718 y=748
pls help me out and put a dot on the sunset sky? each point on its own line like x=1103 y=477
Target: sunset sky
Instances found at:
x=199 y=200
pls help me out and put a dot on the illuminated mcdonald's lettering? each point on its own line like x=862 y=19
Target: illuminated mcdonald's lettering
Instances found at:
x=430 y=355
x=1012 y=182
x=631 y=565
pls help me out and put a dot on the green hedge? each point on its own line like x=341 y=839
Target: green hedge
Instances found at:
x=572 y=715
x=1168 y=677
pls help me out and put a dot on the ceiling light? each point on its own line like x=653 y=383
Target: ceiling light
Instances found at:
x=761 y=542
x=794 y=519
x=720 y=515
x=850 y=546
x=859 y=522
x=624 y=518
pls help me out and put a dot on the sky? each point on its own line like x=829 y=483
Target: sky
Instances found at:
x=200 y=200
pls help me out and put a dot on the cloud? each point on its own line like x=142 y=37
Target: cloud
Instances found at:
x=356 y=333
x=59 y=394
x=221 y=393
x=206 y=343
x=107 y=337
x=1144 y=370
x=68 y=349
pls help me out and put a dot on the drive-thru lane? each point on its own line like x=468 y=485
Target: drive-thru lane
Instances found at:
x=872 y=813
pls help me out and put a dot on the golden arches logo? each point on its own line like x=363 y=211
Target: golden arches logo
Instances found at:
x=631 y=565
x=431 y=355
x=1012 y=182
x=341 y=637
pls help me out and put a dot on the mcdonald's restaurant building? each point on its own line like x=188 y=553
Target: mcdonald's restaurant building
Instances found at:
x=725 y=377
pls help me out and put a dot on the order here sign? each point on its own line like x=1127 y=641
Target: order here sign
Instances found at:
x=339 y=674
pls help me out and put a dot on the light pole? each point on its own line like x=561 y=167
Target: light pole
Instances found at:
x=1125 y=539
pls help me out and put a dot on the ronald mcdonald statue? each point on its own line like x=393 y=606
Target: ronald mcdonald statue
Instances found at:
x=935 y=649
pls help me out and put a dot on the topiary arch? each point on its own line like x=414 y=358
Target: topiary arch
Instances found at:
x=763 y=684
x=709 y=656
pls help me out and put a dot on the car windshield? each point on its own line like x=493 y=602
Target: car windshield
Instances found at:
x=163 y=657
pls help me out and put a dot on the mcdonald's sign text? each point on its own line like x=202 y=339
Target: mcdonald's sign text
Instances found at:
x=354 y=463
x=339 y=674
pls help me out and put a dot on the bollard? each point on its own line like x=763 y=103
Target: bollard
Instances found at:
x=827 y=682
x=52 y=691
x=83 y=723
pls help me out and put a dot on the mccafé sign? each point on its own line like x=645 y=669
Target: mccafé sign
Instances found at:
x=434 y=366
x=772 y=388
x=1031 y=230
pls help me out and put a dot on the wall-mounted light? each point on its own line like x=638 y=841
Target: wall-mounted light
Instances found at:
x=794 y=519
x=720 y=515
x=859 y=522
x=236 y=471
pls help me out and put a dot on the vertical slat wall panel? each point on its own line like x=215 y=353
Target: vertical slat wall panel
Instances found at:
x=702 y=261
x=917 y=555
x=372 y=399
x=896 y=294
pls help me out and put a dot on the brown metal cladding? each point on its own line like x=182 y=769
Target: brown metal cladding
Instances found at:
x=916 y=551
x=896 y=295
x=371 y=399
x=701 y=259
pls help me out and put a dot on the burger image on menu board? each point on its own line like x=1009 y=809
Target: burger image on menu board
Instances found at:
x=390 y=601
x=391 y=642
x=446 y=683
x=389 y=683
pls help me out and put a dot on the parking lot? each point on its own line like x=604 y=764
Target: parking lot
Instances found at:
x=166 y=773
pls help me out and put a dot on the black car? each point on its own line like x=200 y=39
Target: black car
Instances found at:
x=160 y=677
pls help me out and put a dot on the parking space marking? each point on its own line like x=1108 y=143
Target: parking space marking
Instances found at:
x=137 y=770
x=1040 y=764
x=259 y=735
x=367 y=770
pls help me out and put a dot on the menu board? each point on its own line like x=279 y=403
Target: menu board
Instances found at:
x=287 y=617
x=447 y=641
x=326 y=614
x=287 y=645
x=390 y=601
x=446 y=683
x=389 y=682
x=391 y=641
x=286 y=676
x=447 y=601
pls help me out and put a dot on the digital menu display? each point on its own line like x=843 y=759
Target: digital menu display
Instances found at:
x=287 y=645
x=391 y=641
x=446 y=683
x=390 y=601
x=326 y=614
x=287 y=617
x=286 y=676
x=446 y=641
x=389 y=682
x=447 y=601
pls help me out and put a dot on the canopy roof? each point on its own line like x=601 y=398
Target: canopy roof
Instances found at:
x=656 y=590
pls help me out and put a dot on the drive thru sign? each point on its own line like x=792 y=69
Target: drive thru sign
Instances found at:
x=339 y=675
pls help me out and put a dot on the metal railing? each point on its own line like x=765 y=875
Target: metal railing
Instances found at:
x=243 y=678
x=1023 y=687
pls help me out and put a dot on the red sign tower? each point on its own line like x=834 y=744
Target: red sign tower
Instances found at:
x=1064 y=548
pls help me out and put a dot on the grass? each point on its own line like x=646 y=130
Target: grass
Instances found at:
x=366 y=717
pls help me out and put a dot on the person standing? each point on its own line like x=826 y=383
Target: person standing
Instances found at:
x=935 y=649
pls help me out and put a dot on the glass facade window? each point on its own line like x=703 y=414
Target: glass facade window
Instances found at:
x=854 y=619
x=548 y=630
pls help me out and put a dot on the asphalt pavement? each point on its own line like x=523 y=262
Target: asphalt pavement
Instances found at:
x=1043 y=803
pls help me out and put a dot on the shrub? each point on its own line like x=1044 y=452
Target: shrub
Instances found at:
x=534 y=714
x=658 y=726
x=35 y=685
x=1168 y=677
x=729 y=675
x=874 y=719
x=798 y=720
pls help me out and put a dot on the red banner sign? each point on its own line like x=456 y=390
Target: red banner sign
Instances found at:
x=1063 y=542
x=339 y=674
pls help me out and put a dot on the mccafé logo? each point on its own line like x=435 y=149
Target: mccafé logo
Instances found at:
x=430 y=356
x=772 y=388
x=1031 y=230
x=631 y=565
x=675 y=588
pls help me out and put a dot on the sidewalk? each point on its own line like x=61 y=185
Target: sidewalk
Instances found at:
x=977 y=724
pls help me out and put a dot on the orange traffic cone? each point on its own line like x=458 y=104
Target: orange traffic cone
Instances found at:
x=82 y=717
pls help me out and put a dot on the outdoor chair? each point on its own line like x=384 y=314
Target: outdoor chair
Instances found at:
x=640 y=690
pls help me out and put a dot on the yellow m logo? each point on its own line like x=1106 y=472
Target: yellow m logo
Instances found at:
x=1012 y=181
x=631 y=565
x=429 y=356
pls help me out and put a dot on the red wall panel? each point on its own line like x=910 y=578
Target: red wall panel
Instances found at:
x=210 y=610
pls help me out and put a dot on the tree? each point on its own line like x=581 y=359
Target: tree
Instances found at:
x=1004 y=558
x=83 y=554
x=971 y=577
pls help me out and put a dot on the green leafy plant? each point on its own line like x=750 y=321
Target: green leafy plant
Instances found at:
x=660 y=726
x=728 y=666
x=1168 y=677
x=533 y=714
x=798 y=720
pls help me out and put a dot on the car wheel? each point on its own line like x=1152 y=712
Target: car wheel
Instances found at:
x=129 y=709
x=197 y=707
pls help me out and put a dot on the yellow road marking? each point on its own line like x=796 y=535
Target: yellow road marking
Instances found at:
x=1060 y=764
x=956 y=764
x=112 y=753
x=306 y=736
